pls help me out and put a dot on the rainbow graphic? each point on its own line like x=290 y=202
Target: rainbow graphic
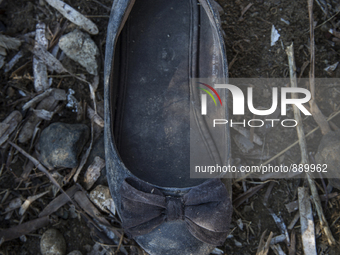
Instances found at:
x=204 y=97
x=209 y=93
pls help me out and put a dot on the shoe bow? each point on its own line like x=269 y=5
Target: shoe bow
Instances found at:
x=206 y=209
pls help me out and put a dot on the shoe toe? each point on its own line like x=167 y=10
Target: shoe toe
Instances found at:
x=172 y=238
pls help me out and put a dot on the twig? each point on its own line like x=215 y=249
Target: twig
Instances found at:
x=312 y=49
x=24 y=229
x=29 y=201
x=293 y=222
x=119 y=244
x=292 y=248
x=85 y=156
x=263 y=247
x=44 y=170
x=249 y=193
x=40 y=167
x=279 y=223
x=322 y=5
x=317 y=114
x=327 y=20
x=297 y=116
x=303 y=147
x=307 y=223
x=104 y=6
x=13 y=61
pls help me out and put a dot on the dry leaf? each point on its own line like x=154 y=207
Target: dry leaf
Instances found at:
x=13 y=61
x=74 y=16
x=12 y=120
x=29 y=201
x=9 y=43
x=24 y=229
x=40 y=52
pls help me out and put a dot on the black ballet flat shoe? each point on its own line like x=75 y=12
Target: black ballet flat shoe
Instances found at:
x=153 y=49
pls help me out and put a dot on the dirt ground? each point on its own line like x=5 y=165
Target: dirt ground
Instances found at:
x=250 y=55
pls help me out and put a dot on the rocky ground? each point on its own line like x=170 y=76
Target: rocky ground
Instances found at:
x=35 y=215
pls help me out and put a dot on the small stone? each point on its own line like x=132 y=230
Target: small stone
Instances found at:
x=60 y=144
x=81 y=48
x=101 y=197
x=240 y=224
x=23 y=238
x=93 y=172
x=98 y=150
x=73 y=213
x=238 y=244
x=62 y=213
x=10 y=92
x=328 y=157
x=75 y=253
x=52 y=243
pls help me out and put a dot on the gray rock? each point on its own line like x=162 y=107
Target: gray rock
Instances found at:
x=60 y=144
x=328 y=153
x=75 y=253
x=62 y=213
x=52 y=243
x=101 y=197
x=81 y=48
x=98 y=150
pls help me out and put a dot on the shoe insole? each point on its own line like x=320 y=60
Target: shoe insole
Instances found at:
x=158 y=49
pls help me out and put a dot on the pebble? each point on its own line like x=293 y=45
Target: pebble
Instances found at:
x=62 y=213
x=60 y=144
x=328 y=153
x=75 y=253
x=52 y=243
x=101 y=197
x=98 y=150
x=73 y=212
x=23 y=238
x=81 y=48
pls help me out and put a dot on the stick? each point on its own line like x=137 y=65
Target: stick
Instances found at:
x=297 y=116
x=307 y=223
x=303 y=147
x=263 y=247
x=44 y=170
x=317 y=114
x=41 y=168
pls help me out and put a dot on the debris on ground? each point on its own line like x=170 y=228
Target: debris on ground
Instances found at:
x=328 y=154
x=74 y=16
x=307 y=222
x=274 y=37
x=93 y=172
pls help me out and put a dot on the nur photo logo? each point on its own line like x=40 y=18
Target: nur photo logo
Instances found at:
x=238 y=104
